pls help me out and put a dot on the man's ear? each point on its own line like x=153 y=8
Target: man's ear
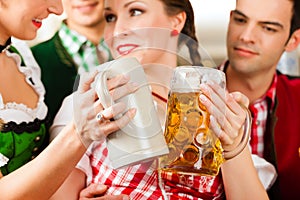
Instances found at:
x=178 y=21
x=293 y=41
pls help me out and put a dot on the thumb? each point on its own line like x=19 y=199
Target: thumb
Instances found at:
x=86 y=80
x=240 y=98
x=93 y=190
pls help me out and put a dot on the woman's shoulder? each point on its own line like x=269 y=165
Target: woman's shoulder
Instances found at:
x=12 y=110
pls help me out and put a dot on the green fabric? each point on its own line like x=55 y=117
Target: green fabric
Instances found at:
x=21 y=148
x=58 y=73
x=12 y=49
x=82 y=50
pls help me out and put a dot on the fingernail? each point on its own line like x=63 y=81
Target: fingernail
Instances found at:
x=203 y=98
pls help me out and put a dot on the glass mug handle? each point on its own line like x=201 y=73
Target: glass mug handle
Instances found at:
x=102 y=90
x=247 y=129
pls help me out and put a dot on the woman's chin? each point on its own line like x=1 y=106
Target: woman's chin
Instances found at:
x=135 y=55
x=26 y=36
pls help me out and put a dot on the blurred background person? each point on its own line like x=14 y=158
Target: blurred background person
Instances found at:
x=76 y=47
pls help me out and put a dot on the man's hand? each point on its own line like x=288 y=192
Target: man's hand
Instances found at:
x=97 y=192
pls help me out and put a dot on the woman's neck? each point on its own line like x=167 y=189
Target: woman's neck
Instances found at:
x=159 y=77
x=5 y=45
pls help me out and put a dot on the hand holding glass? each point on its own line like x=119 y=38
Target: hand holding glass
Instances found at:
x=194 y=147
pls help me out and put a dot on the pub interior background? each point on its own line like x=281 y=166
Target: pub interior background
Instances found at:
x=211 y=22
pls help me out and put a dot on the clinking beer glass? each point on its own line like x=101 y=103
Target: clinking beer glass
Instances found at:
x=193 y=146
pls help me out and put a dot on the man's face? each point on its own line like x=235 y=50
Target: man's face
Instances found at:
x=84 y=12
x=257 y=34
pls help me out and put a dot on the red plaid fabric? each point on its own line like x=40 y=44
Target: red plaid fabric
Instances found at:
x=144 y=182
x=259 y=110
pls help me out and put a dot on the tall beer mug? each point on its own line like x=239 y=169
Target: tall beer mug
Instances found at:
x=194 y=148
x=142 y=139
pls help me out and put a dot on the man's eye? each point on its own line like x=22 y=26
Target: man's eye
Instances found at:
x=110 y=18
x=239 y=20
x=269 y=29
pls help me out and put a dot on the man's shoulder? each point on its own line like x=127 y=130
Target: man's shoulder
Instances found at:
x=293 y=80
x=47 y=44
x=288 y=86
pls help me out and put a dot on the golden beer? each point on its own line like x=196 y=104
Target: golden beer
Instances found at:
x=193 y=148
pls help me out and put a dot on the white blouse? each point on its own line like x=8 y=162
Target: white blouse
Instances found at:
x=19 y=112
x=3 y=160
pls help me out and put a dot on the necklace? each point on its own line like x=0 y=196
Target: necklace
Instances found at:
x=159 y=97
x=6 y=45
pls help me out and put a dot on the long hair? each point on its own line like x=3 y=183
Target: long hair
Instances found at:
x=188 y=33
x=295 y=21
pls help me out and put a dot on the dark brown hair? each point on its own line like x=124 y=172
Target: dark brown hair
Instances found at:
x=295 y=22
x=188 y=33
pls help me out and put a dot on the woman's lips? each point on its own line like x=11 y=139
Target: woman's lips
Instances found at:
x=126 y=48
x=37 y=23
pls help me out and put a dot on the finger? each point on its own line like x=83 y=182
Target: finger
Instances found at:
x=215 y=92
x=236 y=113
x=216 y=103
x=114 y=110
x=221 y=120
x=111 y=112
x=113 y=197
x=86 y=80
x=216 y=128
x=212 y=109
x=117 y=81
x=93 y=190
x=85 y=101
x=98 y=106
x=119 y=123
x=240 y=98
x=124 y=90
x=229 y=114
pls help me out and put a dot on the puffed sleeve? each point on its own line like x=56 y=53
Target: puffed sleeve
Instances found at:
x=3 y=160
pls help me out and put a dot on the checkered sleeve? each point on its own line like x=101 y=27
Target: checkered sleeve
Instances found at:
x=84 y=164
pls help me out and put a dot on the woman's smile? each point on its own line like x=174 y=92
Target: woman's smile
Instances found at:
x=37 y=22
x=126 y=49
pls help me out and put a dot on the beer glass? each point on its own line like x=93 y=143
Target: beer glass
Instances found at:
x=193 y=146
x=142 y=138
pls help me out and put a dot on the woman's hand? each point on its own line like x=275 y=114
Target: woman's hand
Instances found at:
x=91 y=119
x=97 y=191
x=227 y=114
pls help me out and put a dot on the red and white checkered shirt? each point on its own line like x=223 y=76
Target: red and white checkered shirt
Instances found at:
x=142 y=181
x=259 y=110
